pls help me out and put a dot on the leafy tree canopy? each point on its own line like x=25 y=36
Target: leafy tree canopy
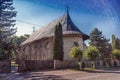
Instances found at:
x=76 y=52
x=16 y=42
x=92 y=53
x=116 y=53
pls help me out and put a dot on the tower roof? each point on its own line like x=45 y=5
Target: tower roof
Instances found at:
x=68 y=27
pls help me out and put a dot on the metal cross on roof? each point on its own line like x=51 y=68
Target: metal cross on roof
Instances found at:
x=67 y=9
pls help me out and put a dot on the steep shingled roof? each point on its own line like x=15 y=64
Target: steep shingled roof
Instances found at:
x=48 y=31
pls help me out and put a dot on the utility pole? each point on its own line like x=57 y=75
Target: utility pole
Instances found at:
x=33 y=29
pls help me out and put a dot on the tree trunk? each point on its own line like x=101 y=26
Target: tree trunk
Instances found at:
x=101 y=63
x=93 y=64
x=80 y=65
x=55 y=62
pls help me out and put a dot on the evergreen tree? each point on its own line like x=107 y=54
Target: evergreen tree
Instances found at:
x=95 y=37
x=113 y=42
x=58 y=43
x=100 y=42
x=7 y=29
x=117 y=43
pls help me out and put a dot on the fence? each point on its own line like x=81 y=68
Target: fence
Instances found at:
x=5 y=66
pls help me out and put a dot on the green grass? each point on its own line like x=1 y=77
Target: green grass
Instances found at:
x=89 y=69
x=85 y=69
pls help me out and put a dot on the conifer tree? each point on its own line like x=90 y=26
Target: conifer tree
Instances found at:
x=113 y=42
x=100 y=42
x=58 y=43
x=7 y=29
x=117 y=43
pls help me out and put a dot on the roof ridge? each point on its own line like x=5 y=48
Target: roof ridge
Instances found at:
x=68 y=27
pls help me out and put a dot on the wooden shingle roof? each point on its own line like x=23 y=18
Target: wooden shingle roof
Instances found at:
x=68 y=27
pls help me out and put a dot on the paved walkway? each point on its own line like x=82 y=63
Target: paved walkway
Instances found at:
x=39 y=75
x=113 y=74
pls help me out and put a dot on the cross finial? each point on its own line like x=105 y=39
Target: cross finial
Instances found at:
x=67 y=9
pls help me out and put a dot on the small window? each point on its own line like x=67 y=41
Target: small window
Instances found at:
x=76 y=43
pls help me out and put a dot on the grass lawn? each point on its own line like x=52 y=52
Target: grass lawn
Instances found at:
x=89 y=69
x=85 y=69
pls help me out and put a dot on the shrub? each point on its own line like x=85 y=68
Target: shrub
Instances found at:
x=116 y=53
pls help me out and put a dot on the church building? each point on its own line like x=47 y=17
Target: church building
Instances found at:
x=36 y=51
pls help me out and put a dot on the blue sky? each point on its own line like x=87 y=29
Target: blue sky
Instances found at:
x=86 y=14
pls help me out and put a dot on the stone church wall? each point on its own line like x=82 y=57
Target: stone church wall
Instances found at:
x=38 y=55
x=69 y=43
x=38 y=64
x=64 y=64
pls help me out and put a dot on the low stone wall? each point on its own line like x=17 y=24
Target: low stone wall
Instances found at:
x=29 y=65
x=38 y=65
x=100 y=64
x=5 y=66
x=64 y=64
x=87 y=63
